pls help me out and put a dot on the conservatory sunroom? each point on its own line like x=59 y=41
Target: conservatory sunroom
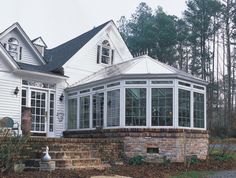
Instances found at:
x=139 y=93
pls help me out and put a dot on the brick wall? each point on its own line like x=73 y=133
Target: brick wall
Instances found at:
x=175 y=144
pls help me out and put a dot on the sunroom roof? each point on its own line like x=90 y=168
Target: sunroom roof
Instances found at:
x=142 y=66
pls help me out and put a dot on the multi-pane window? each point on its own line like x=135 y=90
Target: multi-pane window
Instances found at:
x=198 y=110
x=51 y=111
x=98 y=109
x=113 y=108
x=84 y=111
x=162 y=106
x=184 y=108
x=72 y=113
x=23 y=100
x=105 y=53
x=38 y=109
x=135 y=107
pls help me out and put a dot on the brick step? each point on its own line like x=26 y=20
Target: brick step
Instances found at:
x=77 y=162
x=98 y=167
x=70 y=147
x=73 y=154
x=68 y=163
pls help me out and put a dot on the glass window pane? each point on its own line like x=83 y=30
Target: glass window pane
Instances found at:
x=72 y=113
x=113 y=108
x=184 y=108
x=198 y=110
x=84 y=111
x=135 y=107
x=98 y=109
x=162 y=106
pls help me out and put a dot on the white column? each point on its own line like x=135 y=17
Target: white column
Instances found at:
x=105 y=109
x=175 y=104
x=122 y=104
x=91 y=111
x=78 y=112
x=191 y=106
x=149 y=107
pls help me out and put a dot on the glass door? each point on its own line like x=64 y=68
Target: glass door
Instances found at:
x=38 y=100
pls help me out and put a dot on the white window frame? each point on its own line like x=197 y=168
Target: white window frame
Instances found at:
x=17 y=46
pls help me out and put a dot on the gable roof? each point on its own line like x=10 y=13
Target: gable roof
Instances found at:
x=59 y=55
x=139 y=66
x=25 y=36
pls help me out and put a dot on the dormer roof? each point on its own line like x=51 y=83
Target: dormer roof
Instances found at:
x=39 y=41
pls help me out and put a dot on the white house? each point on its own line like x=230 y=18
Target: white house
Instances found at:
x=103 y=85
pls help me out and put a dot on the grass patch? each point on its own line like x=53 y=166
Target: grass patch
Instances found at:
x=193 y=174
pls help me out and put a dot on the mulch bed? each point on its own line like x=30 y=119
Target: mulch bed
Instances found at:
x=147 y=170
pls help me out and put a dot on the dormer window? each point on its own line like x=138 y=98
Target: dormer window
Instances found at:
x=13 y=48
x=105 y=53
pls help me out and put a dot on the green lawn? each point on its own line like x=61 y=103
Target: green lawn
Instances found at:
x=194 y=174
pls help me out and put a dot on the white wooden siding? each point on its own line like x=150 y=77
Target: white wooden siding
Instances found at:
x=27 y=55
x=84 y=62
x=3 y=65
x=60 y=108
x=10 y=104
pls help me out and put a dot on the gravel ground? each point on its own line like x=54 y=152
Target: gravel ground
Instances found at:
x=224 y=174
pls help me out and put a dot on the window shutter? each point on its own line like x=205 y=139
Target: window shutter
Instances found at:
x=20 y=53
x=112 y=56
x=98 y=54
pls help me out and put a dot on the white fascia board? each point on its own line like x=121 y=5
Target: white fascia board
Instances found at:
x=27 y=39
x=40 y=74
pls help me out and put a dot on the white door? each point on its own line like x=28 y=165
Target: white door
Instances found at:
x=38 y=100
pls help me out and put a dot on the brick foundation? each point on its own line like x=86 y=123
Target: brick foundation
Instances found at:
x=175 y=144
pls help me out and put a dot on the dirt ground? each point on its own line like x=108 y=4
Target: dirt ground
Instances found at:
x=147 y=170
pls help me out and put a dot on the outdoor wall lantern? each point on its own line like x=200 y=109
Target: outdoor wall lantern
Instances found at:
x=16 y=91
x=61 y=97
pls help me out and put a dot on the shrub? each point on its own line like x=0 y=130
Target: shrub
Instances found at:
x=137 y=160
x=166 y=162
x=223 y=157
x=11 y=151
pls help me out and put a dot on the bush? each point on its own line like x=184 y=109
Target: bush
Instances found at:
x=194 y=159
x=166 y=162
x=11 y=151
x=137 y=160
x=223 y=157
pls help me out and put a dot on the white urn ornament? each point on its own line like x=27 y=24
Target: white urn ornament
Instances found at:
x=46 y=157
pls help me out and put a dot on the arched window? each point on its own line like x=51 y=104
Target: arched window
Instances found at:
x=13 y=48
x=105 y=53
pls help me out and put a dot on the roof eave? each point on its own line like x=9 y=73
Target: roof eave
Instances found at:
x=40 y=74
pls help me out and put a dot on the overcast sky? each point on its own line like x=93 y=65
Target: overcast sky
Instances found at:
x=58 y=21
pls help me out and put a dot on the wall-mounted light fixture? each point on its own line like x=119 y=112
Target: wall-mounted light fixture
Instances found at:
x=16 y=91
x=61 y=97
